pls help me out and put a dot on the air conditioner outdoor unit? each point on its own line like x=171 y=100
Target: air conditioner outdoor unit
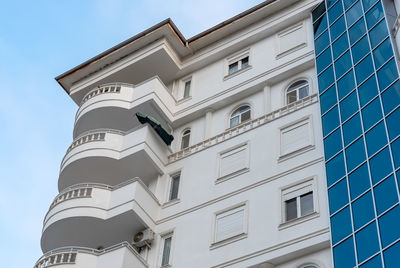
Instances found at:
x=143 y=238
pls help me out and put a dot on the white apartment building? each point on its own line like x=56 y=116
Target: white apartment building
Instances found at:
x=243 y=182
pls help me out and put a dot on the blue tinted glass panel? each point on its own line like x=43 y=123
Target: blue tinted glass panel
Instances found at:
x=393 y=124
x=322 y=42
x=368 y=90
x=376 y=138
x=338 y=196
x=396 y=152
x=352 y=129
x=330 y=120
x=367 y=242
x=387 y=74
x=364 y=69
x=326 y=79
x=380 y=165
x=329 y=3
x=340 y=45
x=333 y=144
x=375 y=262
x=318 y=11
x=343 y=254
x=324 y=60
x=354 y=13
x=363 y=210
x=391 y=97
x=360 y=49
x=355 y=154
x=328 y=99
x=335 y=11
x=382 y=53
x=357 y=30
x=343 y=64
x=385 y=194
x=391 y=256
x=389 y=226
x=337 y=28
x=372 y=113
x=335 y=169
x=341 y=225
x=378 y=33
x=348 y=3
x=359 y=181
x=345 y=84
x=320 y=25
x=374 y=15
x=368 y=3
x=348 y=106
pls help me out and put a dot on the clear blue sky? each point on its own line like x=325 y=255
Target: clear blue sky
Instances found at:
x=38 y=41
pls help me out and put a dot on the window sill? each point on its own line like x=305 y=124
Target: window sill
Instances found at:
x=296 y=152
x=171 y=203
x=228 y=241
x=297 y=221
x=183 y=100
x=232 y=175
x=248 y=67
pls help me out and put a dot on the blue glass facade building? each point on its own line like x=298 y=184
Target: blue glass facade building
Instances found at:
x=359 y=91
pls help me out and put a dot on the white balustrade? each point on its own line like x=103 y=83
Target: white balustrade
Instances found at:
x=107 y=88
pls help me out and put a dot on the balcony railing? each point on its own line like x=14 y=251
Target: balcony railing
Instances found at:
x=244 y=127
x=106 y=88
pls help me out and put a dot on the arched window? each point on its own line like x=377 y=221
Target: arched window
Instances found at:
x=185 y=139
x=297 y=91
x=240 y=115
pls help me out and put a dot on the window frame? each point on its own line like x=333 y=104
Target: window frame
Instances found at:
x=238 y=58
x=296 y=89
x=172 y=177
x=240 y=115
x=183 y=135
x=164 y=236
x=244 y=146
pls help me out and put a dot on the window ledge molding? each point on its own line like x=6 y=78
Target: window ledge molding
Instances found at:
x=290 y=51
x=171 y=203
x=183 y=100
x=295 y=153
x=228 y=241
x=248 y=67
x=299 y=220
x=232 y=175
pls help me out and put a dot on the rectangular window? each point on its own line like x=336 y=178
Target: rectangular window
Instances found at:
x=296 y=137
x=174 y=187
x=298 y=201
x=186 y=92
x=233 y=161
x=238 y=62
x=230 y=223
x=166 y=250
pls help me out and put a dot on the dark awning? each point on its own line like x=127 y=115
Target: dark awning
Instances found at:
x=165 y=136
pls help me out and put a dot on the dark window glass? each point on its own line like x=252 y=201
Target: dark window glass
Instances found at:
x=374 y=15
x=321 y=42
x=335 y=169
x=343 y=64
x=389 y=226
x=368 y=90
x=233 y=67
x=396 y=152
x=333 y=144
x=364 y=69
x=338 y=196
x=166 y=251
x=343 y=254
x=378 y=33
x=318 y=11
x=357 y=30
x=363 y=210
x=341 y=225
x=367 y=242
x=335 y=11
x=391 y=97
x=387 y=74
x=382 y=53
x=360 y=49
x=320 y=25
x=352 y=129
x=330 y=120
x=391 y=256
x=372 y=113
x=324 y=60
x=355 y=154
x=329 y=3
x=353 y=13
x=337 y=28
x=306 y=204
x=340 y=46
x=173 y=194
x=393 y=124
x=326 y=79
x=385 y=194
x=359 y=181
x=376 y=138
x=380 y=165
x=345 y=84
x=348 y=3
x=328 y=99
x=348 y=106
x=368 y=3
x=373 y=263
x=291 y=209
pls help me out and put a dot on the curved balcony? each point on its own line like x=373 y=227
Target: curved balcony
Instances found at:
x=112 y=157
x=97 y=215
x=118 y=256
x=114 y=106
